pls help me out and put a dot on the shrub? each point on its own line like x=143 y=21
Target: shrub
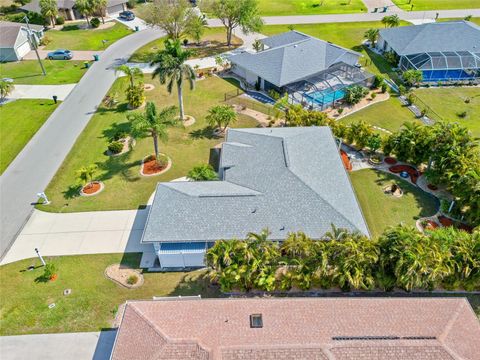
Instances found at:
x=115 y=147
x=462 y=114
x=131 y=4
x=384 y=87
x=135 y=95
x=379 y=80
x=340 y=111
x=132 y=280
x=70 y=27
x=355 y=93
x=410 y=98
x=185 y=42
x=95 y=22
x=49 y=271
x=33 y=18
x=119 y=134
x=202 y=173
x=467 y=101
x=60 y=20
x=391 y=57
x=402 y=90
x=374 y=95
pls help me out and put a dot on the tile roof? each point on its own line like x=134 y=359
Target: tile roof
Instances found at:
x=299 y=328
x=293 y=57
x=433 y=37
x=285 y=179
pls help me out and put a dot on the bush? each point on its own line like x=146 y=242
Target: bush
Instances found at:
x=340 y=111
x=131 y=4
x=355 y=93
x=135 y=95
x=374 y=95
x=132 y=280
x=60 y=20
x=70 y=27
x=384 y=87
x=95 y=22
x=379 y=80
x=49 y=271
x=202 y=173
x=115 y=147
x=33 y=18
x=410 y=98
x=462 y=114
x=185 y=42
x=119 y=134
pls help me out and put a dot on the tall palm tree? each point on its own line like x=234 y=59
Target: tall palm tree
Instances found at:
x=171 y=69
x=132 y=73
x=48 y=8
x=84 y=7
x=153 y=123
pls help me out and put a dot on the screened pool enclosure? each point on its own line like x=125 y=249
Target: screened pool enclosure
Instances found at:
x=444 y=66
x=325 y=89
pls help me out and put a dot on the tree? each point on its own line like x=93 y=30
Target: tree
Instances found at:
x=371 y=35
x=153 y=123
x=196 y=28
x=172 y=16
x=86 y=174
x=99 y=6
x=85 y=8
x=391 y=20
x=6 y=87
x=297 y=115
x=237 y=13
x=135 y=91
x=48 y=8
x=171 y=69
x=221 y=116
x=412 y=77
x=355 y=93
x=132 y=73
x=374 y=142
x=202 y=173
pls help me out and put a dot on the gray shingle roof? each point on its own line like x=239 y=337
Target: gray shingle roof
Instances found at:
x=34 y=5
x=9 y=32
x=286 y=179
x=434 y=37
x=294 y=57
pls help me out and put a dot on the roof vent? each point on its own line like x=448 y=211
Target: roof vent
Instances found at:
x=282 y=228
x=256 y=321
x=254 y=210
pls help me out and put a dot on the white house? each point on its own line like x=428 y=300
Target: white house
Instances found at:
x=14 y=41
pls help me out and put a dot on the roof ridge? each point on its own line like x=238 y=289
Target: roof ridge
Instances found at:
x=147 y=321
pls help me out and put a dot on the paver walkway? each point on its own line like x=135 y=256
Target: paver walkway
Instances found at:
x=77 y=346
x=77 y=54
x=41 y=91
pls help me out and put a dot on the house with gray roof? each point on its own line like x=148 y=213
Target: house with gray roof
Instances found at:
x=66 y=8
x=444 y=51
x=14 y=40
x=315 y=72
x=283 y=179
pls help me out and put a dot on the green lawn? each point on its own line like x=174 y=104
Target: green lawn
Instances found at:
x=382 y=210
x=29 y=72
x=94 y=299
x=216 y=36
x=309 y=7
x=125 y=188
x=348 y=35
x=19 y=121
x=475 y=20
x=448 y=102
x=87 y=39
x=389 y=114
x=419 y=5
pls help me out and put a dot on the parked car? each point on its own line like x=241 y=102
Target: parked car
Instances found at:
x=127 y=15
x=60 y=55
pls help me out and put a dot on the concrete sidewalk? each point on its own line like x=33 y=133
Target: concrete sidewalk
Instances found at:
x=77 y=54
x=77 y=346
x=41 y=91
x=97 y=232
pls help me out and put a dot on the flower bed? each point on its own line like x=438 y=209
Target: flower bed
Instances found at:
x=447 y=222
x=414 y=174
x=92 y=188
x=151 y=167
x=390 y=160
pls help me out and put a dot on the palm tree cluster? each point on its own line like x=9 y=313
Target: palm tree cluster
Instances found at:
x=401 y=258
x=391 y=20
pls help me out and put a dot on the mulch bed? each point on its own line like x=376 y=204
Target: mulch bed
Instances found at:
x=390 y=160
x=432 y=187
x=346 y=161
x=431 y=225
x=91 y=188
x=151 y=166
x=447 y=222
x=414 y=174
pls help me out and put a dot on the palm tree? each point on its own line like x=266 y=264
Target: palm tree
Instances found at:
x=371 y=35
x=221 y=116
x=85 y=8
x=86 y=174
x=394 y=21
x=6 y=87
x=48 y=8
x=99 y=7
x=171 y=69
x=202 y=173
x=257 y=45
x=338 y=234
x=132 y=73
x=153 y=123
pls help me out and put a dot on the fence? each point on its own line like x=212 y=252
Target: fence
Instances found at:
x=234 y=98
x=232 y=94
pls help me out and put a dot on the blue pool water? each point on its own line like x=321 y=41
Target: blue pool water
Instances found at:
x=260 y=97
x=446 y=75
x=325 y=97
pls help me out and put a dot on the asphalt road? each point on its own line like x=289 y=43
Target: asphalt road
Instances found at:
x=37 y=163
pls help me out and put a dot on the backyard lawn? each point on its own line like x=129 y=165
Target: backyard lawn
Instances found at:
x=449 y=102
x=125 y=188
x=29 y=72
x=19 y=121
x=94 y=299
x=309 y=7
x=216 y=36
x=419 y=5
x=389 y=114
x=382 y=210
x=85 y=39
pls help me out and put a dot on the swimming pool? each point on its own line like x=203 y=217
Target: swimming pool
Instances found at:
x=446 y=75
x=325 y=97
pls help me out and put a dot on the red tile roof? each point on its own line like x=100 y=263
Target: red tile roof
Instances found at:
x=299 y=328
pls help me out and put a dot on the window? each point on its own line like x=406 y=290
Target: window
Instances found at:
x=256 y=321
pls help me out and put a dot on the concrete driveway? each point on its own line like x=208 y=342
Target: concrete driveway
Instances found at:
x=75 y=346
x=41 y=91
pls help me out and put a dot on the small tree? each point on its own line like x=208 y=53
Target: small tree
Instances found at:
x=202 y=173
x=374 y=142
x=84 y=7
x=221 y=116
x=355 y=93
x=196 y=28
x=50 y=271
x=237 y=13
x=412 y=77
x=6 y=88
x=86 y=174
x=371 y=35
x=48 y=8
x=99 y=7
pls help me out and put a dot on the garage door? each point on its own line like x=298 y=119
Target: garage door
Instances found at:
x=115 y=9
x=23 y=49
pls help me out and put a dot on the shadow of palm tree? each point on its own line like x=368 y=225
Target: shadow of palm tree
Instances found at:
x=205 y=133
x=119 y=165
x=72 y=192
x=115 y=129
x=195 y=283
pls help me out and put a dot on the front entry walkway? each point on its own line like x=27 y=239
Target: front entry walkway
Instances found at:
x=93 y=232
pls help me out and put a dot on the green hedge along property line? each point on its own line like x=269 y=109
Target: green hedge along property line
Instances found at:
x=400 y=258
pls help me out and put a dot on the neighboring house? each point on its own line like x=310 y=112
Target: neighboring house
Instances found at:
x=444 y=51
x=298 y=328
x=66 y=8
x=283 y=179
x=313 y=72
x=14 y=41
